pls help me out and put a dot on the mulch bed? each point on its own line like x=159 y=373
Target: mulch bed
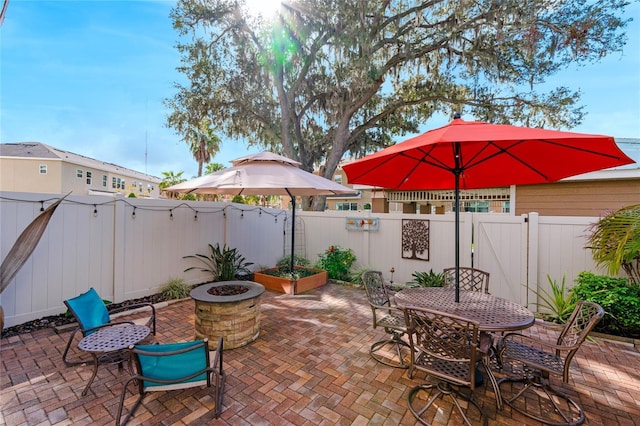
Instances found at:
x=63 y=319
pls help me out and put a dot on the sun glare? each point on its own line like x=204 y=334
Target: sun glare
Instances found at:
x=265 y=8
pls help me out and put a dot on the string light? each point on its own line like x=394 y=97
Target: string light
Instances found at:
x=95 y=211
x=133 y=215
x=41 y=206
x=242 y=214
x=196 y=216
x=171 y=214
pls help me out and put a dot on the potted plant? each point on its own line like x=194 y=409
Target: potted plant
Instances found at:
x=282 y=279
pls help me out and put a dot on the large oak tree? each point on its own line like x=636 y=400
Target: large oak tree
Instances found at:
x=325 y=78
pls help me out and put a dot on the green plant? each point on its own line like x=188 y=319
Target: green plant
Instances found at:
x=175 y=288
x=428 y=279
x=615 y=242
x=298 y=260
x=355 y=276
x=225 y=264
x=284 y=272
x=559 y=303
x=620 y=301
x=337 y=262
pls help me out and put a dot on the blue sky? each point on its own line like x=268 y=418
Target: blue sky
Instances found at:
x=90 y=76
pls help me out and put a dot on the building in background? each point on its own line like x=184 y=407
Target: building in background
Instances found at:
x=36 y=167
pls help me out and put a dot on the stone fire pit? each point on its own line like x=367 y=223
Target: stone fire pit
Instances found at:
x=232 y=311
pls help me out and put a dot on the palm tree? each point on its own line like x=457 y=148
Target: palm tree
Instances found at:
x=170 y=178
x=213 y=167
x=203 y=143
x=615 y=242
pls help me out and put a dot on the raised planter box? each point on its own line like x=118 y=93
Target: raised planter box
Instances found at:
x=287 y=286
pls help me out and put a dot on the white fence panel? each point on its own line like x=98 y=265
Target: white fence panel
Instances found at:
x=74 y=253
x=561 y=249
x=501 y=249
x=257 y=233
x=125 y=256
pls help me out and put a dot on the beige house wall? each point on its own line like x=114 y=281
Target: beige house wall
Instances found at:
x=23 y=175
x=577 y=198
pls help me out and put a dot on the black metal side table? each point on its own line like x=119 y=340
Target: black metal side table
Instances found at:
x=110 y=345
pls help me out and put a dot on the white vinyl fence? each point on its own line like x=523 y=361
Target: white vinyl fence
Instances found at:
x=128 y=247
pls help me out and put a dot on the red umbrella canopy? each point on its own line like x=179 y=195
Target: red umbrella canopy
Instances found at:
x=485 y=155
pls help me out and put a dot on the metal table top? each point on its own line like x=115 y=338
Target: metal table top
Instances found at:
x=114 y=338
x=492 y=313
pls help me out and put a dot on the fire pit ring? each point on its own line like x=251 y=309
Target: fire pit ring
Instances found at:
x=235 y=317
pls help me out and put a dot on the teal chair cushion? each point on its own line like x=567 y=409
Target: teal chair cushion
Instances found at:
x=89 y=309
x=173 y=367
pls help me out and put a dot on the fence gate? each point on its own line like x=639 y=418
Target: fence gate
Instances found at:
x=501 y=248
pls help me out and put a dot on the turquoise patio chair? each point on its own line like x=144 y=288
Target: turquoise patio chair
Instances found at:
x=91 y=314
x=172 y=366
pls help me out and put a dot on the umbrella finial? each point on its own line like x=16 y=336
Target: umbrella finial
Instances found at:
x=456 y=115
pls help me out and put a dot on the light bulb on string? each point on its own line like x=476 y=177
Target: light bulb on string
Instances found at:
x=171 y=214
x=95 y=211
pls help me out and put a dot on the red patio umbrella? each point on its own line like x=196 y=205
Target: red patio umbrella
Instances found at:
x=473 y=154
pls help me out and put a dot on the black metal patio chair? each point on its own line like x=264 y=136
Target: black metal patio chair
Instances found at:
x=449 y=349
x=540 y=360
x=391 y=351
x=471 y=279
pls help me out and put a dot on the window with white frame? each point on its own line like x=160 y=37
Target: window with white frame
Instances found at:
x=114 y=182
x=79 y=173
x=105 y=181
x=346 y=206
x=43 y=169
x=337 y=178
x=89 y=176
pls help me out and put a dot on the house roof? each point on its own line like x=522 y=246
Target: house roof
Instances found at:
x=39 y=150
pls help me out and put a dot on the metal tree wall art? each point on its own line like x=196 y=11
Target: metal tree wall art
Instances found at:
x=415 y=239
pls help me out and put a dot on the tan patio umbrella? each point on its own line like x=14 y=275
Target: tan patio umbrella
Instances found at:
x=264 y=173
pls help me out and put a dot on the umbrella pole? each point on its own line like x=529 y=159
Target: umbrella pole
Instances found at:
x=457 y=234
x=293 y=233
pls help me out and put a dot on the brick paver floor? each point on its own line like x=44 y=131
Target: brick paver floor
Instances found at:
x=310 y=366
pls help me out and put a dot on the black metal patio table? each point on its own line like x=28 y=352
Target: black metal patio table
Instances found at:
x=110 y=345
x=493 y=314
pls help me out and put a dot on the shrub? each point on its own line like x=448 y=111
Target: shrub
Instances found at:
x=620 y=301
x=559 y=304
x=337 y=262
x=175 y=288
x=224 y=264
x=428 y=279
x=285 y=262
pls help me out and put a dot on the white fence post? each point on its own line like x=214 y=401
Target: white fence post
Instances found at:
x=119 y=249
x=533 y=247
